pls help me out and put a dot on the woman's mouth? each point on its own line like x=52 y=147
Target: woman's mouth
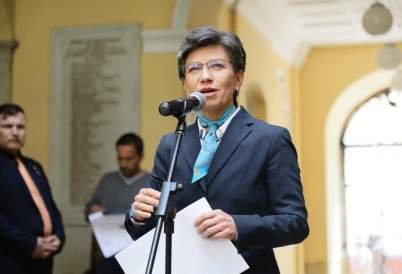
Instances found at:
x=208 y=91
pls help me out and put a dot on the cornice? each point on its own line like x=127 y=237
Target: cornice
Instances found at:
x=163 y=40
x=168 y=40
x=267 y=18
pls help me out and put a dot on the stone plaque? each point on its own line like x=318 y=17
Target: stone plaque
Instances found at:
x=95 y=98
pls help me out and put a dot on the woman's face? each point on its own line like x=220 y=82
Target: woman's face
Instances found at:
x=216 y=83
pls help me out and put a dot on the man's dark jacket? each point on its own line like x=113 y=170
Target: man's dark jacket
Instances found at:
x=20 y=219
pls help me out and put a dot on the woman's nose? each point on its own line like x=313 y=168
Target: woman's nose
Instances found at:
x=205 y=73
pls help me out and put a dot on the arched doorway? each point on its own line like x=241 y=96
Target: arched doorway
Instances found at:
x=338 y=116
x=373 y=185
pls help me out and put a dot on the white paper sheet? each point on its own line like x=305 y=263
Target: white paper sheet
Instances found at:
x=190 y=252
x=110 y=233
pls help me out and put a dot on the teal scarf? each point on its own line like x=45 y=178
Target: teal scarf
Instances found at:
x=209 y=144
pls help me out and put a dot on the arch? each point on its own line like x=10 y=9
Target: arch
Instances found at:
x=338 y=115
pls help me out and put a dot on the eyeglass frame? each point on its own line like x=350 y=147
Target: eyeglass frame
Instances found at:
x=183 y=67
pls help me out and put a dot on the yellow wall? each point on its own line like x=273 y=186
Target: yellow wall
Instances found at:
x=261 y=67
x=6 y=20
x=34 y=21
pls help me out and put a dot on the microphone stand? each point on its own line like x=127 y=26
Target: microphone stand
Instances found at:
x=166 y=210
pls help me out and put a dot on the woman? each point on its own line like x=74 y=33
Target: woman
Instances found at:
x=245 y=168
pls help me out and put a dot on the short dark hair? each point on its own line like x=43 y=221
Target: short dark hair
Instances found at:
x=10 y=110
x=212 y=36
x=131 y=139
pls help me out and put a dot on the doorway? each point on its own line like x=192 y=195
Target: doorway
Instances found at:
x=372 y=146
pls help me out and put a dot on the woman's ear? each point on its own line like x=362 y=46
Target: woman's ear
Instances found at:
x=239 y=79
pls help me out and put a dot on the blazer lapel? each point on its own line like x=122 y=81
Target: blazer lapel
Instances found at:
x=191 y=148
x=191 y=145
x=237 y=131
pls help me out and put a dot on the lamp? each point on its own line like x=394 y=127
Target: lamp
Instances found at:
x=377 y=20
x=396 y=82
x=389 y=56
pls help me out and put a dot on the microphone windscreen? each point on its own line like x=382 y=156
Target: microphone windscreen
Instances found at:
x=201 y=98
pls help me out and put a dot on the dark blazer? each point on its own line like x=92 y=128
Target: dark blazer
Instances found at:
x=254 y=176
x=20 y=220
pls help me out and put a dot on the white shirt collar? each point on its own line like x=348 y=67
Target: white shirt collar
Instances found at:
x=221 y=130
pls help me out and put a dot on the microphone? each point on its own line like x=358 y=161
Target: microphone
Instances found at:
x=182 y=106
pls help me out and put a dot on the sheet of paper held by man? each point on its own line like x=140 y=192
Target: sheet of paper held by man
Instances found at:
x=190 y=252
x=110 y=232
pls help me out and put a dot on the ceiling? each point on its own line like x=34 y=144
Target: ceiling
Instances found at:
x=294 y=26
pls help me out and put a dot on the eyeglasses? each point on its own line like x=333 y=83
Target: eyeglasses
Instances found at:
x=213 y=65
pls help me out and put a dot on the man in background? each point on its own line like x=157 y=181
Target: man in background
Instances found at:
x=31 y=229
x=115 y=191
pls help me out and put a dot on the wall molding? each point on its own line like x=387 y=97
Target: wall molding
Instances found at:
x=168 y=40
x=163 y=40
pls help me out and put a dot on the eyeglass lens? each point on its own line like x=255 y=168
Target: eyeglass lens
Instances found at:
x=213 y=65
